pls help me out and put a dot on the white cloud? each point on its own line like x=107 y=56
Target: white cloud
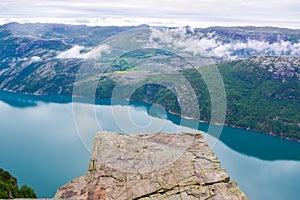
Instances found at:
x=97 y=52
x=221 y=50
x=76 y=52
x=198 y=13
x=35 y=59
x=212 y=45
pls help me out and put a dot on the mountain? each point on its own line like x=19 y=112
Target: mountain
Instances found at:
x=258 y=65
x=263 y=94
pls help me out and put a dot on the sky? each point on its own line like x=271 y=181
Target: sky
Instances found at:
x=196 y=13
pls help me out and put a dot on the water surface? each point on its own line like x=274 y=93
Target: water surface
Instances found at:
x=40 y=146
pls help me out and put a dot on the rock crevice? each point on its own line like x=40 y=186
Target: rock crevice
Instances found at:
x=149 y=167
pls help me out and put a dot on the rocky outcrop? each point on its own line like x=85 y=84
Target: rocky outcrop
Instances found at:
x=281 y=67
x=155 y=166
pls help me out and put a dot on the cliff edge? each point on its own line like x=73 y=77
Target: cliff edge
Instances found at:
x=152 y=166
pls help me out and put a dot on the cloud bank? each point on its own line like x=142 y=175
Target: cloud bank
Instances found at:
x=213 y=45
x=210 y=44
x=198 y=13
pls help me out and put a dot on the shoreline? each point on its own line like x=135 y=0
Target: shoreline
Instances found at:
x=150 y=104
x=237 y=127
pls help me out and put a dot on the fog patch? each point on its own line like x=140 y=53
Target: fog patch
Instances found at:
x=77 y=52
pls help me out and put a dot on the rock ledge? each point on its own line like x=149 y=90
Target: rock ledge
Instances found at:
x=148 y=167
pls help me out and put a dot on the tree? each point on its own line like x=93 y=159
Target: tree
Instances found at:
x=26 y=192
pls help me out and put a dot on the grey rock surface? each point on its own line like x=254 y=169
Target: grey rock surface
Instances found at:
x=148 y=167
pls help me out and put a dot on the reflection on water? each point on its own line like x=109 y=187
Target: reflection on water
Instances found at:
x=40 y=146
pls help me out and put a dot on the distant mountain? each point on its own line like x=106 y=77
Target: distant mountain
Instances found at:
x=219 y=42
x=259 y=67
x=244 y=42
x=69 y=34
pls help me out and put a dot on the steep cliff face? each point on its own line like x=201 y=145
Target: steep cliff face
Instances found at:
x=156 y=166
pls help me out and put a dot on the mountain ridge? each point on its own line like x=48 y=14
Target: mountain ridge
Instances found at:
x=61 y=59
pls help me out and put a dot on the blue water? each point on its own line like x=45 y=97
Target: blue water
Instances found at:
x=41 y=146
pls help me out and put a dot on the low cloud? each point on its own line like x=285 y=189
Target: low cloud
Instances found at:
x=77 y=52
x=35 y=59
x=212 y=45
x=180 y=12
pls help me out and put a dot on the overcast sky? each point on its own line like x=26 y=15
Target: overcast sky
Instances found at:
x=197 y=13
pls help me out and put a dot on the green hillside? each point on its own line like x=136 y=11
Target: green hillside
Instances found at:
x=257 y=99
x=9 y=187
